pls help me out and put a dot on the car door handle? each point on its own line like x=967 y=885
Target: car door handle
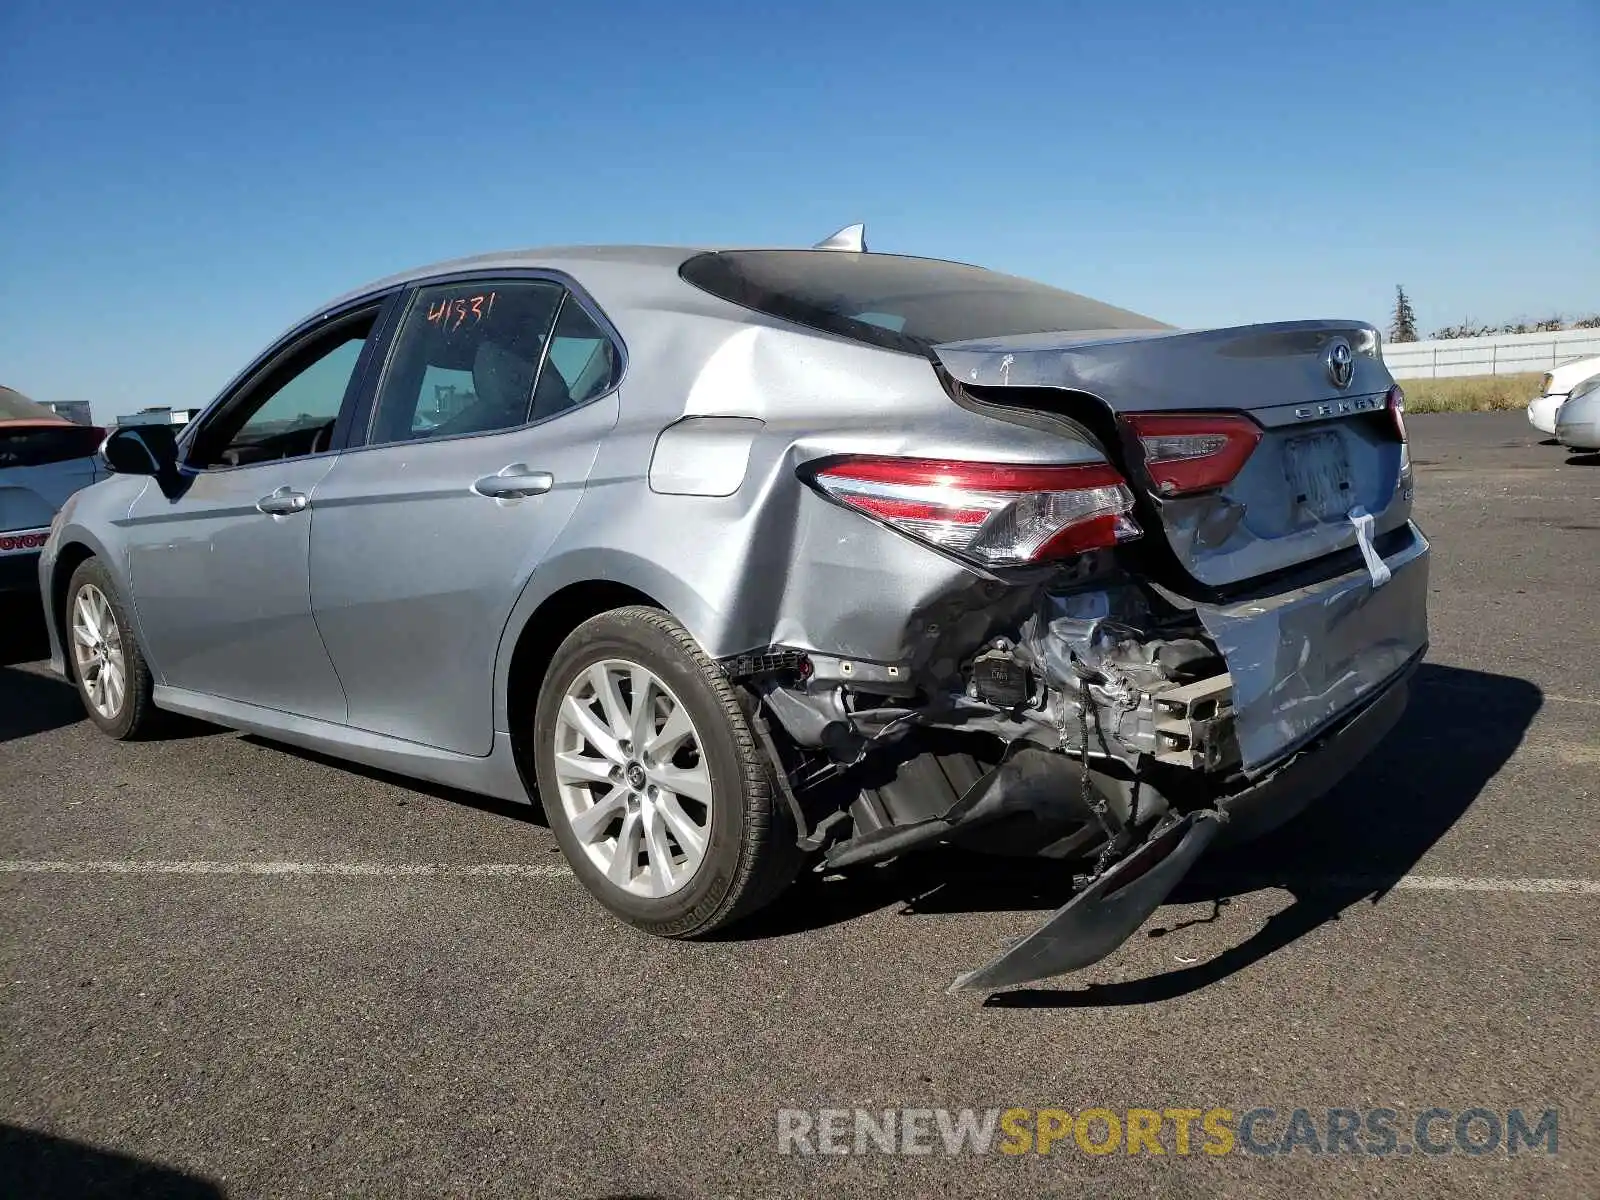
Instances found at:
x=283 y=502
x=515 y=482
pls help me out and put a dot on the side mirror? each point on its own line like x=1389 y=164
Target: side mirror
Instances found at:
x=141 y=450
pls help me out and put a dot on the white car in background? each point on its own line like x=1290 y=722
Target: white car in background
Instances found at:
x=1557 y=386
x=1578 y=422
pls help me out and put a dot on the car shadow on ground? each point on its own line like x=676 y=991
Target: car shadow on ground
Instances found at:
x=29 y=703
x=529 y=813
x=1459 y=729
x=22 y=633
x=32 y=703
x=38 y=1164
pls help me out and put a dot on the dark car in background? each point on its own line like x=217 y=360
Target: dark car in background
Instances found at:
x=43 y=460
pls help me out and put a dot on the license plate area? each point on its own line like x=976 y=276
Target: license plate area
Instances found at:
x=1317 y=469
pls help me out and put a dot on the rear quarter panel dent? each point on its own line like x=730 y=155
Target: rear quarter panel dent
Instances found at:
x=769 y=560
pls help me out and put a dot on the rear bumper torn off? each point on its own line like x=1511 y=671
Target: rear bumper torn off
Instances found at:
x=1107 y=912
x=1300 y=659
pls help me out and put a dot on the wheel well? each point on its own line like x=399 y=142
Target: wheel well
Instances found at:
x=542 y=634
x=68 y=559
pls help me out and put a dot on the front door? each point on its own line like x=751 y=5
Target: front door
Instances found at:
x=219 y=560
x=483 y=433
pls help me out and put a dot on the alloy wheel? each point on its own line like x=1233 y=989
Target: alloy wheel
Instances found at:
x=633 y=780
x=97 y=651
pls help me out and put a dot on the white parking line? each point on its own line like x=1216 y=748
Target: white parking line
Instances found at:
x=1406 y=883
x=1448 y=883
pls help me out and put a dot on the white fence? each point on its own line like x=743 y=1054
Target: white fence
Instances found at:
x=1500 y=354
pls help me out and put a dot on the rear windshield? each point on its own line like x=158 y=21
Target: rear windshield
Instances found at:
x=41 y=445
x=900 y=303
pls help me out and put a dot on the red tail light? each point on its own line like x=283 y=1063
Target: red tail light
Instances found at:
x=1193 y=452
x=1396 y=404
x=994 y=514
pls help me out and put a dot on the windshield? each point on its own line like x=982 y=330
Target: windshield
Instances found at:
x=908 y=304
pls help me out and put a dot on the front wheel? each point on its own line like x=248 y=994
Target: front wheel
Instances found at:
x=653 y=781
x=113 y=679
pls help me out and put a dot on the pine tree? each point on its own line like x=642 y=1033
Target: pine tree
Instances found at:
x=1403 y=327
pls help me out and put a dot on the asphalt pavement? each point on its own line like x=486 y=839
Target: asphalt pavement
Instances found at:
x=233 y=968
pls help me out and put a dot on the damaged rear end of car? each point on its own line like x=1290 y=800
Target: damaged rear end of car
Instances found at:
x=1178 y=594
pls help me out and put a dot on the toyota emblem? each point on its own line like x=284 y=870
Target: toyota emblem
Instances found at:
x=1340 y=361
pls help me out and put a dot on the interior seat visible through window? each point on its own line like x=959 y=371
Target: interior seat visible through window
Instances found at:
x=551 y=396
x=466 y=360
x=583 y=362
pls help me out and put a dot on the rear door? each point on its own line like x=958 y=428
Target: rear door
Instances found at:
x=219 y=559
x=484 y=429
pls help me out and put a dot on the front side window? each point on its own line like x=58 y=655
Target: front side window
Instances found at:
x=900 y=303
x=467 y=359
x=289 y=411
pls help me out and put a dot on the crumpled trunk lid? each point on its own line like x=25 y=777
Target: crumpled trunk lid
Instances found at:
x=1325 y=452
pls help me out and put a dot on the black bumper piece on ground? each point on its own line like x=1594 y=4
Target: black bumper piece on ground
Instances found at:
x=1108 y=911
x=1104 y=915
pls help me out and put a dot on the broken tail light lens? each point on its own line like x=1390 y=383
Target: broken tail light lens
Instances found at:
x=1396 y=404
x=994 y=514
x=1193 y=453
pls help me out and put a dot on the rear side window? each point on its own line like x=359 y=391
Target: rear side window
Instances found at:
x=582 y=355
x=41 y=445
x=467 y=359
x=908 y=304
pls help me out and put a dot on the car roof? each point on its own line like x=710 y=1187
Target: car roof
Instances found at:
x=559 y=258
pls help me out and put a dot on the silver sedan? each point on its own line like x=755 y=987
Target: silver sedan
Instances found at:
x=743 y=561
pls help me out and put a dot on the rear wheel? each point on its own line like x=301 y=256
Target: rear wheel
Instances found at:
x=113 y=679
x=653 y=781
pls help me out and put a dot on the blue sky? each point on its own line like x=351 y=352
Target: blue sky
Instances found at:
x=180 y=181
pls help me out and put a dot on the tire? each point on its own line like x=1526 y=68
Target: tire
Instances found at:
x=134 y=714
x=748 y=854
